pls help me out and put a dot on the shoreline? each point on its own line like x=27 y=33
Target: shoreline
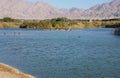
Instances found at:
x=7 y=71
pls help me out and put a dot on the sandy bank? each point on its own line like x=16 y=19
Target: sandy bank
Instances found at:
x=9 y=72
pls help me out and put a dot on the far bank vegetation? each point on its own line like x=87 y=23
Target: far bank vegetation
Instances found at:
x=58 y=23
x=8 y=22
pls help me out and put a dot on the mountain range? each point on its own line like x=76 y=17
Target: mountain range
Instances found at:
x=21 y=9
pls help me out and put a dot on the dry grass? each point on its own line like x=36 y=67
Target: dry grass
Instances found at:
x=10 y=72
x=95 y=24
x=9 y=25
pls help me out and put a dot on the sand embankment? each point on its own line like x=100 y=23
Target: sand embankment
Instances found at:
x=7 y=71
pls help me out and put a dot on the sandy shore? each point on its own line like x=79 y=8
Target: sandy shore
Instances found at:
x=7 y=71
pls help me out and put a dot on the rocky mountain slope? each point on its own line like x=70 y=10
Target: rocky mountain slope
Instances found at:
x=40 y=10
x=106 y=10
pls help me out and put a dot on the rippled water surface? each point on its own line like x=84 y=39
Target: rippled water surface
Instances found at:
x=80 y=53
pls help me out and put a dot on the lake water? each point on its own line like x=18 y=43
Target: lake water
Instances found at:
x=80 y=53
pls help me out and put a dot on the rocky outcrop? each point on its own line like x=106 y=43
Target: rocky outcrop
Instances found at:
x=105 y=10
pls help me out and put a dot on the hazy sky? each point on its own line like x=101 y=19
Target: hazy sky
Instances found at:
x=85 y=4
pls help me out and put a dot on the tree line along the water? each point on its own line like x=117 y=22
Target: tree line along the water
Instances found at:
x=58 y=23
x=8 y=19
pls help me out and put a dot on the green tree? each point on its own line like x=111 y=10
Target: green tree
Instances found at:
x=8 y=19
